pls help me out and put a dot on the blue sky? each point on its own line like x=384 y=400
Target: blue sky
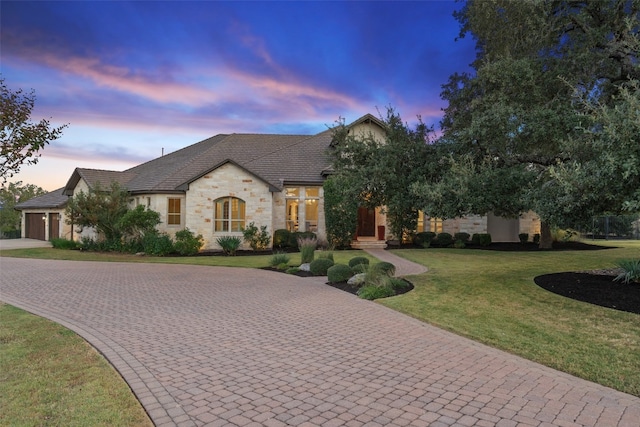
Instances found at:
x=134 y=78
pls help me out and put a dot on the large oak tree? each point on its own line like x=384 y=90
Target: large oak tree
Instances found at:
x=548 y=119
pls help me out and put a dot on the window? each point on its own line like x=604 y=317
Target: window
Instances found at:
x=420 y=225
x=435 y=225
x=229 y=214
x=426 y=223
x=292 y=195
x=174 y=212
x=311 y=209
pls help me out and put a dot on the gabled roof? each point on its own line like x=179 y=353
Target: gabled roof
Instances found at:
x=94 y=177
x=53 y=200
x=278 y=160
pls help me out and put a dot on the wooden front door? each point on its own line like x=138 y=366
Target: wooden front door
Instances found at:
x=366 y=222
x=54 y=226
x=34 y=226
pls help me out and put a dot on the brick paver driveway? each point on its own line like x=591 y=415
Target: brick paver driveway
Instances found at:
x=222 y=346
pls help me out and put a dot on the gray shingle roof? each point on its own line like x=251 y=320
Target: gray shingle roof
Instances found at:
x=279 y=160
x=52 y=200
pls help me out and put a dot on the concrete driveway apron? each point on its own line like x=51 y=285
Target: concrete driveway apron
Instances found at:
x=221 y=346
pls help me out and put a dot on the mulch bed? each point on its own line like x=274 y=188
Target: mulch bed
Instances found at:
x=343 y=286
x=594 y=287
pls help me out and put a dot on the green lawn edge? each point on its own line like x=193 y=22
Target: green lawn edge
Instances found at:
x=49 y=376
x=491 y=297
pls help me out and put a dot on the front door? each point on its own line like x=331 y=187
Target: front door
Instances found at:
x=54 y=226
x=366 y=222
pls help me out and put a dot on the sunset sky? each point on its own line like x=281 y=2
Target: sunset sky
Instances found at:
x=134 y=78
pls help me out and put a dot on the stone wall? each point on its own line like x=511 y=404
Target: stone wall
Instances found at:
x=227 y=181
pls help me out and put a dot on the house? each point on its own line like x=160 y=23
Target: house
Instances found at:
x=217 y=186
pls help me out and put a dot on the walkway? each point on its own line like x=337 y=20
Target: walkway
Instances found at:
x=221 y=346
x=404 y=267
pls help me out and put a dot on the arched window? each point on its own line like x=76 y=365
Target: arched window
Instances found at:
x=229 y=214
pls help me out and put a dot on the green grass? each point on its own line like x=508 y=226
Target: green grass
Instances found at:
x=491 y=297
x=253 y=261
x=51 y=377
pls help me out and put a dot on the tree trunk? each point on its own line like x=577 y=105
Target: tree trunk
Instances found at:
x=546 y=241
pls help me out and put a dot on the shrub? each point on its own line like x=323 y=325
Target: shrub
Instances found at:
x=320 y=266
x=371 y=292
x=87 y=244
x=358 y=260
x=339 y=273
x=157 y=244
x=295 y=237
x=340 y=210
x=282 y=239
x=360 y=268
x=307 y=248
x=399 y=284
x=278 y=259
x=443 y=240
x=187 y=243
x=258 y=239
x=424 y=238
x=326 y=254
x=292 y=270
x=481 y=239
x=463 y=237
x=459 y=244
x=229 y=244
x=60 y=243
x=385 y=267
x=536 y=238
x=631 y=271
x=524 y=237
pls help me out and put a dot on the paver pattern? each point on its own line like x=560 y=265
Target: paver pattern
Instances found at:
x=220 y=346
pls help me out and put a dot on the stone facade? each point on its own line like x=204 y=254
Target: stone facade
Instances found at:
x=228 y=180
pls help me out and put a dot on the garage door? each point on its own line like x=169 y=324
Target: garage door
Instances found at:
x=34 y=226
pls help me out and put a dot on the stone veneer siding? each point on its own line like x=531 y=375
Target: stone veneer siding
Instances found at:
x=227 y=181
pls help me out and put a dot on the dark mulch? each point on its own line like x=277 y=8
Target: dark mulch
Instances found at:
x=595 y=288
x=520 y=247
x=343 y=286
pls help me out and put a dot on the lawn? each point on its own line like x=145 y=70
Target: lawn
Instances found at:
x=490 y=297
x=49 y=376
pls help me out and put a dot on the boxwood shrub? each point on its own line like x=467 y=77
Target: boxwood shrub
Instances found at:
x=339 y=273
x=443 y=240
x=319 y=267
x=358 y=260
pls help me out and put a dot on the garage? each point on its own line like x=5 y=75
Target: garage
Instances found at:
x=35 y=226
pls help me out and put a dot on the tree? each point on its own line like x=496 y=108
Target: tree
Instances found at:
x=534 y=109
x=100 y=209
x=340 y=211
x=10 y=196
x=381 y=173
x=21 y=139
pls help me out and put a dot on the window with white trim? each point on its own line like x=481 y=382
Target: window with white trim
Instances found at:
x=229 y=214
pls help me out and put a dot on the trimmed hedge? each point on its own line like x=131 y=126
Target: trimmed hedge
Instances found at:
x=482 y=239
x=386 y=267
x=339 y=273
x=358 y=260
x=319 y=267
x=424 y=238
x=464 y=237
x=443 y=240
